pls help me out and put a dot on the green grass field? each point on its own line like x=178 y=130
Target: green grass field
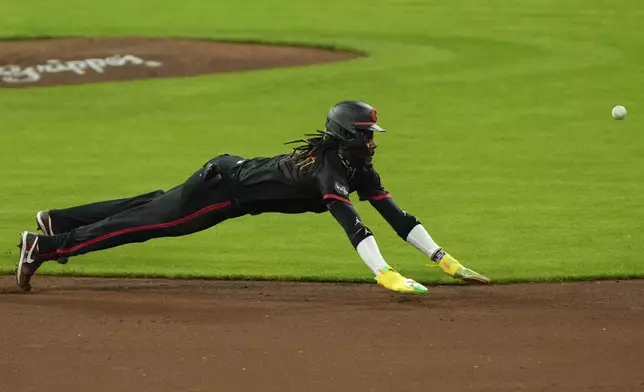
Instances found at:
x=501 y=139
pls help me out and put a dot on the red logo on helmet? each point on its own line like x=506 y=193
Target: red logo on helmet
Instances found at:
x=374 y=115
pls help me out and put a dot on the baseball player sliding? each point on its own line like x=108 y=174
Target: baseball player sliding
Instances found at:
x=317 y=176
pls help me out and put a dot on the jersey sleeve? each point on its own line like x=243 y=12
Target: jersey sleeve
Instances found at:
x=401 y=221
x=350 y=221
x=332 y=179
x=370 y=187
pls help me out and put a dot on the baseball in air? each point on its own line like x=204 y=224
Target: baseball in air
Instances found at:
x=619 y=112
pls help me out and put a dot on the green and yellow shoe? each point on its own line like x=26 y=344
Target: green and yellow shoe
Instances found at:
x=453 y=268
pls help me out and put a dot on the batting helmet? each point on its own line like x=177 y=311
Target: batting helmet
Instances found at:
x=347 y=119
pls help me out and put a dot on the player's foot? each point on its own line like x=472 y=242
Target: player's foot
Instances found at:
x=43 y=220
x=393 y=281
x=28 y=262
x=452 y=267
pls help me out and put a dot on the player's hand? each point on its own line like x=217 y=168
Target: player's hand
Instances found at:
x=392 y=280
x=452 y=267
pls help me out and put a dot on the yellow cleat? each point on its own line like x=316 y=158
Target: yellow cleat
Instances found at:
x=392 y=280
x=453 y=268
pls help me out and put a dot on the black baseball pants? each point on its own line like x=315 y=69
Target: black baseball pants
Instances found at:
x=202 y=201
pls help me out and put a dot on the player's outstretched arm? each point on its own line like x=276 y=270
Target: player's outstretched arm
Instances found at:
x=363 y=241
x=411 y=230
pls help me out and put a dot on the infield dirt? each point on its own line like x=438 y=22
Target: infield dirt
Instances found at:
x=84 y=334
x=52 y=62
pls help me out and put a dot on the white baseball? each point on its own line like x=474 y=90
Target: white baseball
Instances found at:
x=619 y=112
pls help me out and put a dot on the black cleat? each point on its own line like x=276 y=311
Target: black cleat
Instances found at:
x=43 y=220
x=28 y=263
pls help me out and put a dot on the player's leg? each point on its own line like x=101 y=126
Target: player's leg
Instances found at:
x=201 y=202
x=53 y=222
x=58 y=221
x=194 y=206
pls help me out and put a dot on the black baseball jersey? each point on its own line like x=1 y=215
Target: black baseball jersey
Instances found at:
x=277 y=185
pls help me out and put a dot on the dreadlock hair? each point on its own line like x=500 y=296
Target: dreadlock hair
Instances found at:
x=305 y=155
